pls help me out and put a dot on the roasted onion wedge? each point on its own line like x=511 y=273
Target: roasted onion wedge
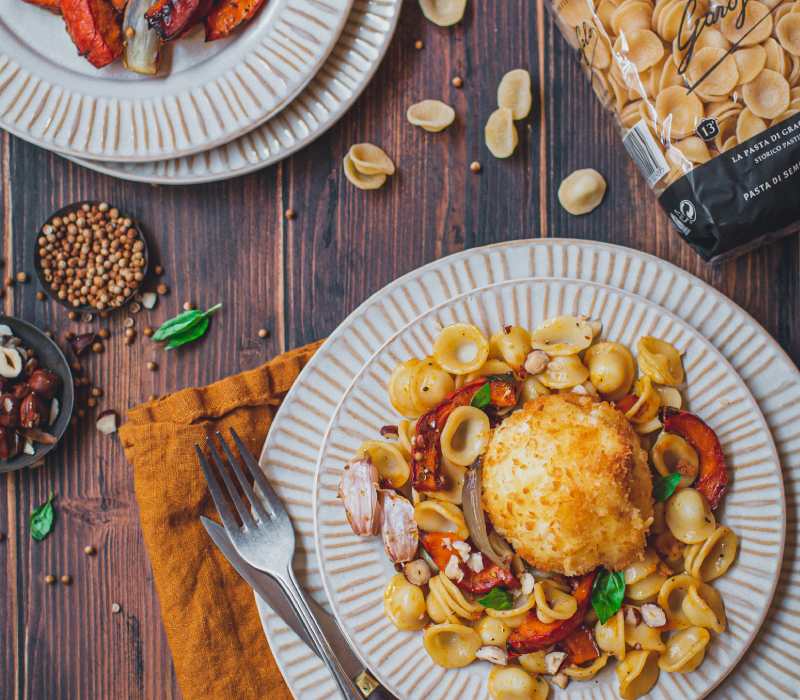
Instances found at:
x=474 y=517
x=142 y=51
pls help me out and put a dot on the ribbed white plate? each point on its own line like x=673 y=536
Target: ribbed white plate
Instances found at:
x=348 y=70
x=769 y=667
x=204 y=95
x=355 y=569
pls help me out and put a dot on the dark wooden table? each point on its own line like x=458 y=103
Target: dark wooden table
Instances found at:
x=229 y=242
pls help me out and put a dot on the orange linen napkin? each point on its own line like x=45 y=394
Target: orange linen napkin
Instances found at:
x=218 y=646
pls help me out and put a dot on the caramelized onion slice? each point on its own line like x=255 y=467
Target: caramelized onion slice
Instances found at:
x=473 y=514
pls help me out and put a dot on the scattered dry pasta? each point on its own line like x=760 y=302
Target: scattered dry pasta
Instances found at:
x=514 y=93
x=443 y=12
x=366 y=166
x=500 y=133
x=582 y=191
x=431 y=115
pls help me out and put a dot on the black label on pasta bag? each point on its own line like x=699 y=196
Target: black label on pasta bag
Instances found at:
x=743 y=198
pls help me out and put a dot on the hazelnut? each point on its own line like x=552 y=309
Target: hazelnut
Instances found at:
x=80 y=413
x=560 y=679
x=8 y=442
x=31 y=412
x=44 y=384
x=10 y=409
x=536 y=362
x=73 y=420
x=653 y=615
x=457 y=82
x=115 y=608
x=418 y=44
x=417 y=572
x=152 y=397
x=633 y=617
x=553 y=661
x=127 y=340
x=493 y=655
x=290 y=213
x=69 y=336
x=76 y=367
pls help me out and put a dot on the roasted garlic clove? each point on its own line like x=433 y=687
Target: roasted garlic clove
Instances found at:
x=398 y=528
x=359 y=493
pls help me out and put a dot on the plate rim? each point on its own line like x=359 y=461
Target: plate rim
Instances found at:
x=552 y=244
x=105 y=167
x=72 y=154
x=672 y=317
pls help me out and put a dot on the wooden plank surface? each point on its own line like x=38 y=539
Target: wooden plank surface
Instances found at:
x=229 y=242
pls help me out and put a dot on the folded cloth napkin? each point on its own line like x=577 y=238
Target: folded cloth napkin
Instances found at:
x=218 y=646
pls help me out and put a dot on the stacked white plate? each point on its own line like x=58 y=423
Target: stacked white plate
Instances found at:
x=745 y=386
x=214 y=110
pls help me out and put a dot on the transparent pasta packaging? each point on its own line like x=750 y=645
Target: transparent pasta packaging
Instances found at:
x=706 y=97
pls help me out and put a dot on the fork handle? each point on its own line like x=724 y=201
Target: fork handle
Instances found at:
x=291 y=589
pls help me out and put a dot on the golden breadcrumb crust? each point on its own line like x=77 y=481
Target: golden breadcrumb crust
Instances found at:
x=567 y=483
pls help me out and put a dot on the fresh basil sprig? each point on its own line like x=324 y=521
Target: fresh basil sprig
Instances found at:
x=497 y=599
x=664 y=487
x=607 y=593
x=41 y=520
x=482 y=396
x=185 y=327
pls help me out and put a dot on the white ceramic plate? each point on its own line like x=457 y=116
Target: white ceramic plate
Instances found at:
x=355 y=569
x=204 y=94
x=351 y=65
x=290 y=453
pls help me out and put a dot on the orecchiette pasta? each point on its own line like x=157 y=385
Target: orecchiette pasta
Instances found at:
x=404 y=604
x=452 y=601
x=514 y=683
x=689 y=516
x=489 y=368
x=646 y=407
x=611 y=369
x=429 y=384
x=672 y=454
x=534 y=662
x=516 y=615
x=493 y=632
x=441 y=516
x=638 y=569
x=511 y=345
x=669 y=548
x=712 y=558
x=586 y=673
x=647 y=587
x=703 y=607
x=531 y=388
x=685 y=650
x=553 y=604
x=610 y=636
x=637 y=674
x=451 y=646
x=453 y=477
x=671 y=597
x=642 y=636
x=392 y=467
x=564 y=372
x=399 y=389
x=465 y=435
x=660 y=361
x=562 y=335
x=460 y=348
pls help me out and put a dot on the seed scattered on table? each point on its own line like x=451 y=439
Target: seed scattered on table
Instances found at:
x=129 y=32
x=2 y=536
x=475 y=167
x=152 y=366
x=76 y=367
x=103 y=333
x=80 y=413
x=148 y=331
x=152 y=397
x=22 y=277
x=41 y=296
x=73 y=420
x=189 y=306
x=66 y=580
x=9 y=281
x=457 y=82
x=89 y=549
x=87 y=318
x=290 y=213
x=418 y=44
x=97 y=347
x=50 y=579
x=97 y=391
x=72 y=316
x=135 y=307
x=115 y=608
x=129 y=323
x=263 y=333
x=69 y=336
x=159 y=270
x=162 y=289
x=91 y=402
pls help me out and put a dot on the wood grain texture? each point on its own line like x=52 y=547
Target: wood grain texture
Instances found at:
x=230 y=243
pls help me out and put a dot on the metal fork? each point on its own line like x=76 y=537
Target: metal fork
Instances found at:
x=266 y=541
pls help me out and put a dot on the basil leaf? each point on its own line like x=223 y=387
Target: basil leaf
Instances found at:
x=497 y=599
x=482 y=396
x=664 y=487
x=190 y=334
x=607 y=593
x=41 y=520
x=182 y=322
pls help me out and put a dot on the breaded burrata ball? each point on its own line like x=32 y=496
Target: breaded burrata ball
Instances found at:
x=566 y=482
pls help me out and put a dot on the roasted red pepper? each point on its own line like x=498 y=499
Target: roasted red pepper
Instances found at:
x=626 y=403
x=426 y=471
x=96 y=29
x=535 y=635
x=54 y=5
x=491 y=576
x=580 y=646
x=226 y=15
x=173 y=18
x=713 y=476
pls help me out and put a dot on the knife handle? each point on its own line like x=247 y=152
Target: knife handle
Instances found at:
x=370 y=687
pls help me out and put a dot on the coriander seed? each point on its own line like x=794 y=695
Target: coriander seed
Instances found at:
x=457 y=82
x=73 y=420
x=91 y=402
x=189 y=306
x=152 y=397
x=129 y=323
x=159 y=270
x=115 y=607
x=162 y=289
x=50 y=579
x=41 y=296
x=97 y=347
x=80 y=413
x=9 y=281
x=289 y=213
x=475 y=167
x=129 y=332
x=148 y=331
x=152 y=366
x=65 y=579
x=89 y=549
x=418 y=44
x=103 y=333
x=76 y=367
x=263 y=333
x=97 y=391
x=130 y=32
x=128 y=340
x=72 y=316
x=22 y=277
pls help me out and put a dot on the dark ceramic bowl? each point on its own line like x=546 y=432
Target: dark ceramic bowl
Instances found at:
x=61 y=213
x=53 y=359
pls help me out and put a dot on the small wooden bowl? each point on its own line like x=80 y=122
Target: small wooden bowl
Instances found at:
x=61 y=213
